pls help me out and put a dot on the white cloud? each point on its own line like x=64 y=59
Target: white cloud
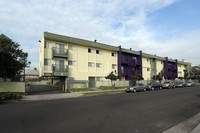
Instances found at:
x=115 y=22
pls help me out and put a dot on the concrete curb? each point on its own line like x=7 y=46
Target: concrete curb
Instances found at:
x=187 y=126
x=196 y=129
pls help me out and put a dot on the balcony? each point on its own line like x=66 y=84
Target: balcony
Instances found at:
x=124 y=61
x=58 y=52
x=58 y=70
x=125 y=72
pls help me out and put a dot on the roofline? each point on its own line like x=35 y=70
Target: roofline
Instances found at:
x=62 y=38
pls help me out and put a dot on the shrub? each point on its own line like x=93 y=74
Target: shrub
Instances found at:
x=11 y=96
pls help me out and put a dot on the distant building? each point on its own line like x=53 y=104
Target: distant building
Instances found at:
x=30 y=75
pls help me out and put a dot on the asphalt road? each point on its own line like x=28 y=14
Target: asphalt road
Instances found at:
x=141 y=112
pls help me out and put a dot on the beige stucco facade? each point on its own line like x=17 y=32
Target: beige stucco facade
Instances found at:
x=181 y=68
x=146 y=68
x=91 y=59
x=79 y=55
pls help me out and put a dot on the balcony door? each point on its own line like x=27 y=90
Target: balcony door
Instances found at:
x=60 y=48
x=59 y=65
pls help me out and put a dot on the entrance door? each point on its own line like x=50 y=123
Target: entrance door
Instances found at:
x=91 y=82
x=59 y=66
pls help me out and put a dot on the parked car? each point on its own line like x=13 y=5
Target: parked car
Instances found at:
x=137 y=87
x=168 y=84
x=154 y=86
x=180 y=84
x=190 y=83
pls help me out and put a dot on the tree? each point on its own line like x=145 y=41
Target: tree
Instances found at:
x=160 y=75
x=186 y=74
x=136 y=77
x=35 y=68
x=113 y=77
x=12 y=58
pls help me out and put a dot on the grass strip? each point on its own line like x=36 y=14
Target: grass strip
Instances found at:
x=110 y=87
x=103 y=92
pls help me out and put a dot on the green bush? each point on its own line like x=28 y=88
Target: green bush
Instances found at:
x=11 y=96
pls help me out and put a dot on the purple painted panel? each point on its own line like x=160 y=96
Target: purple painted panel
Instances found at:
x=131 y=63
x=170 y=69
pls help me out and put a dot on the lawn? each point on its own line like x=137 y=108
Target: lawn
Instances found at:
x=103 y=92
x=81 y=89
x=110 y=87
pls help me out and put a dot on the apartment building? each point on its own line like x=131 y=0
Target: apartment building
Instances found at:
x=66 y=58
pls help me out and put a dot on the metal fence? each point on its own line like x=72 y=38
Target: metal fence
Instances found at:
x=116 y=83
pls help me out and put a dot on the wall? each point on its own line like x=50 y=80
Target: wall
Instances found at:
x=181 y=69
x=41 y=62
x=146 y=65
x=159 y=66
x=12 y=87
x=81 y=71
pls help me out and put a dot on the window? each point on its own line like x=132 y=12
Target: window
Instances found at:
x=99 y=78
x=91 y=64
x=47 y=62
x=72 y=63
x=147 y=69
x=147 y=60
x=114 y=66
x=179 y=72
x=99 y=65
x=47 y=45
x=98 y=51
x=90 y=50
x=113 y=54
x=70 y=47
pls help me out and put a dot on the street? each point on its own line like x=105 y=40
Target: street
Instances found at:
x=141 y=112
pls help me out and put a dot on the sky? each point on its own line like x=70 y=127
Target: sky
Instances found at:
x=167 y=28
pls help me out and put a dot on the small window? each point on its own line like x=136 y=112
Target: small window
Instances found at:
x=147 y=60
x=99 y=78
x=114 y=66
x=91 y=64
x=99 y=65
x=70 y=47
x=113 y=54
x=90 y=50
x=98 y=51
x=47 y=62
x=161 y=62
x=72 y=63
x=47 y=45
x=147 y=69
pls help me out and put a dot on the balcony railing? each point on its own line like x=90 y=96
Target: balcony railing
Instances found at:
x=58 y=70
x=59 y=52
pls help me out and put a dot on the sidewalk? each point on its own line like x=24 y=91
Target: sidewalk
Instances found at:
x=191 y=125
x=42 y=97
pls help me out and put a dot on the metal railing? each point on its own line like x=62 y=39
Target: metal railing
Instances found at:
x=60 y=52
